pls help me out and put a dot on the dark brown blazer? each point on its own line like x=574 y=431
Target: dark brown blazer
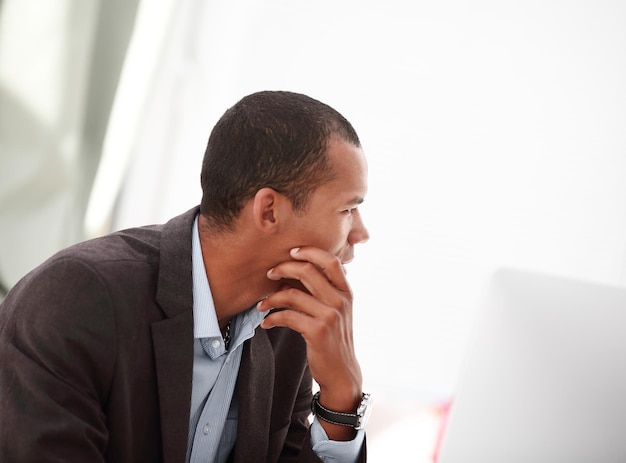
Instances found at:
x=96 y=357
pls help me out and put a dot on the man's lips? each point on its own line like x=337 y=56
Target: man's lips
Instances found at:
x=348 y=256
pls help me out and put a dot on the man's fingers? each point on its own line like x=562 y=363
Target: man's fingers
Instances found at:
x=309 y=264
x=295 y=300
x=328 y=264
x=290 y=318
x=310 y=277
x=311 y=320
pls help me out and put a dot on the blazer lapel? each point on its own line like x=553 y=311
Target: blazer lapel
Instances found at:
x=173 y=351
x=172 y=337
x=255 y=385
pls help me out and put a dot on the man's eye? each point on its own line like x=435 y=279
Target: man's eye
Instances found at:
x=350 y=211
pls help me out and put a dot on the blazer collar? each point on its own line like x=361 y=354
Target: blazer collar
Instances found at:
x=173 y=336
x=175 y=285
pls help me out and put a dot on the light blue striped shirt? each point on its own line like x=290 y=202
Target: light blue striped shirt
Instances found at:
x=213 y=414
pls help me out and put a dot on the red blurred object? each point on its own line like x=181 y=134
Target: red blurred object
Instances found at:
x=444 y=411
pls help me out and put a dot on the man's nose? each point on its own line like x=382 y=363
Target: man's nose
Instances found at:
x=359 y=233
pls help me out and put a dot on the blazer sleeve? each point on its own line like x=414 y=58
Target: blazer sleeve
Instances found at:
x=57 y=355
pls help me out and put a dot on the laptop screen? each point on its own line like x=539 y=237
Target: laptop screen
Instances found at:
x=544 y=379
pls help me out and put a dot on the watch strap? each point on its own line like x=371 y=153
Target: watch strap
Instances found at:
x=354 y=420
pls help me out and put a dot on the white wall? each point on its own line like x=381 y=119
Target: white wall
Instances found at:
x=495 y=136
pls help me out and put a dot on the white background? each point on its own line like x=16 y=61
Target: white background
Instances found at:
x=495 y=133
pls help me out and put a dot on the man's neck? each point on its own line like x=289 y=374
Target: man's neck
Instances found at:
x=236 y=274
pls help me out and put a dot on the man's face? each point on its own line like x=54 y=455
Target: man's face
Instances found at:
x=332 y=220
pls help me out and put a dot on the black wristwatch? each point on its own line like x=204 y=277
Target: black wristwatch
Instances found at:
x=356 y=420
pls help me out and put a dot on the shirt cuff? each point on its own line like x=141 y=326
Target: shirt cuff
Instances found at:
x=330 y=451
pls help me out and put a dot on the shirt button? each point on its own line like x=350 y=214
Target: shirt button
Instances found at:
x=215 y=344
x=205 y=430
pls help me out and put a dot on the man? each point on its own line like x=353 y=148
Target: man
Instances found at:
x=198 y=340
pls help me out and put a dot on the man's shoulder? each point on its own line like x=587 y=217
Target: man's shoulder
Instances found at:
x=141 y=244
x=127 y=253
x=135 y=245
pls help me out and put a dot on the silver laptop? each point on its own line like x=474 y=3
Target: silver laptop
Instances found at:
x=545 y=375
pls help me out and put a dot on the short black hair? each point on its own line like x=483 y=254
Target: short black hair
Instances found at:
x=274 y=139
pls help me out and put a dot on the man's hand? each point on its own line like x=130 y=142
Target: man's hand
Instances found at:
x=323 y=316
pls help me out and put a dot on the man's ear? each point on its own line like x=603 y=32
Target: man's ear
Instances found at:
x=266 y=208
